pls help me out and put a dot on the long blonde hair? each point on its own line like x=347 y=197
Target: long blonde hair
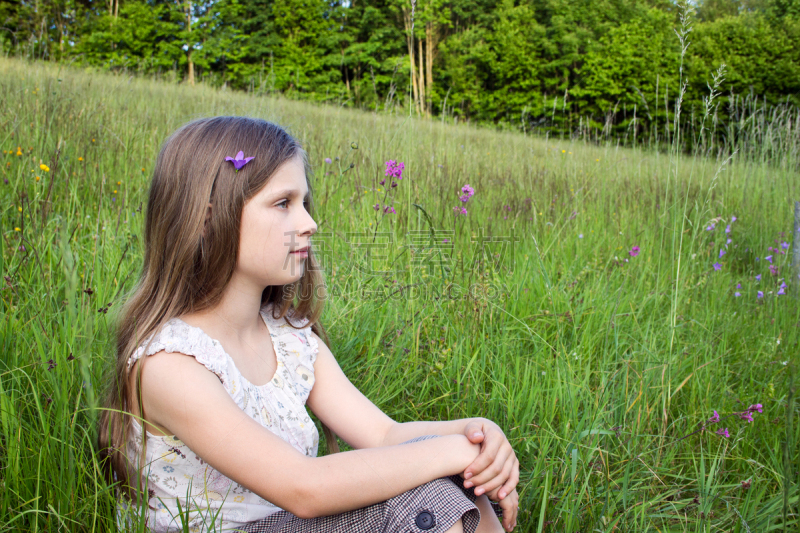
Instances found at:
x=188 y=262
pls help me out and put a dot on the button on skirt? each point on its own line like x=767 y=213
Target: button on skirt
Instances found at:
x=430 y=508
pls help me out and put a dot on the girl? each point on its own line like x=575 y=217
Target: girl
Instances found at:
x=216 y=365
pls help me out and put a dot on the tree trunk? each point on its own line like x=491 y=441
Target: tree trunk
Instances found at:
x=421 y=81
x=430 y=41
x=189 y=51
x=408 y=23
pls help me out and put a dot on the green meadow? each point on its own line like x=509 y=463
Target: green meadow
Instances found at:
x=576 y=303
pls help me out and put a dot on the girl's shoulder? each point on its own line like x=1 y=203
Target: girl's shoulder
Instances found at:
x=178 y=336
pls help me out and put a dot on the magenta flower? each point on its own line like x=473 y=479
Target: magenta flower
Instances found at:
x=723 y=433
x=376 y=206
x=388 y=209
x=714 y=419
x=773 y=270
x=446 y=241
x=460 y=211
x=328 y=160
x=721 y=253
x=717 y=267
x=394 y=169
x=468 y=191
x=634 y=251
x=760 y=294
x=746 y=416
x=756 y=407
x=240 y=160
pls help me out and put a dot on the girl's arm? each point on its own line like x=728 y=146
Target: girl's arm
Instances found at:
x=346 y=411
x=182 y=396
x=354 y=418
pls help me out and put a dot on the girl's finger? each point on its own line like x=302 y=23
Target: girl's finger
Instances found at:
x=498 y=480
x=486 y=473
x=490 y=447
x=513 y=479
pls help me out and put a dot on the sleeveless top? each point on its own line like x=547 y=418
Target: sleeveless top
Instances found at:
x=173 y=474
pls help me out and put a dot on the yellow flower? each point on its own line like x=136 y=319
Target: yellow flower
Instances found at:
x=19 y=209
x=142 y=169
x=92 y=140
x=119 y=183
x=80 y=159
x=570 y=152
x=597 y=160
x=115 y=191
x=19 y=150
x=563 y=151
x=17 y=229
x=44 y=167
x=37 y=178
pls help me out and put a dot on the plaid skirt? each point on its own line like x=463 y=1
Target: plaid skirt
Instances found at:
x=430 y=508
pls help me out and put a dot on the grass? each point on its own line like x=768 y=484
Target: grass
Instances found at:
x=534 y=314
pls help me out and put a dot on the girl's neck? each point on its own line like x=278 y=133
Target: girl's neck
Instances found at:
x=236 y=316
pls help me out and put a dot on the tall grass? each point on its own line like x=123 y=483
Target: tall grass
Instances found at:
x=596 y=362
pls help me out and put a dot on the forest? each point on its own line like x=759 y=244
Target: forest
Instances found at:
x=615 y=66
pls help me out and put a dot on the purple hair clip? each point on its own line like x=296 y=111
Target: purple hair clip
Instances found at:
x=239 y=161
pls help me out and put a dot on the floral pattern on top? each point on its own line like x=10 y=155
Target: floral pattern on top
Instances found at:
x=173 y=473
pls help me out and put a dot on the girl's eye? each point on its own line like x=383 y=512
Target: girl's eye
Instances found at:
x=283 y=203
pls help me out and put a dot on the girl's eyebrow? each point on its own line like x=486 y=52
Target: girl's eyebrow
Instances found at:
x=291 y=193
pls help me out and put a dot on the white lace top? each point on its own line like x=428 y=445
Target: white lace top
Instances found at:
x=172 y=471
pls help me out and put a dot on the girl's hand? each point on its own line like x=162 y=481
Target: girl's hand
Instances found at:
x=510 y=506
x=496 y=469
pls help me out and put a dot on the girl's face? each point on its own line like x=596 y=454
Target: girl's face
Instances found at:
x=274 y=224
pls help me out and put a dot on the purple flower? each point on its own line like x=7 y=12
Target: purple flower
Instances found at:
x=758 y=277
x=723 y=433
x=580 y=235
x=714 y=419
x=721 y=253
x=394 y=169
x=328 y=160
x=760 y=294
x=769 y=258
x=733 y=219
x=738 y=285
x=746 y=416
x=785 y=245
x=782 y=290
x=388 y=209
x=727 y=242
x=710 y=227
x=376 y=206
x=756 y=407
x=773 y=270
x=239 y=161
x=634 y=251
x=728 y=229
x=717 y=267
x=21 y=248
x=446 y=240
x=737 y=294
